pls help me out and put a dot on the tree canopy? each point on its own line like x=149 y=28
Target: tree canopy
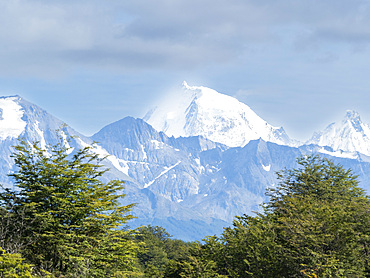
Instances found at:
x=61 y=220
x=316 y=224
x=72 y=218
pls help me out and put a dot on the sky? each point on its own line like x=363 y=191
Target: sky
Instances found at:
x=299 y=64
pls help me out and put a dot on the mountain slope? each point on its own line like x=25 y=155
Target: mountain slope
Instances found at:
x=191 y=186
x=349 y=135
x=202 y=111
x=194 y=187
x=20 y=119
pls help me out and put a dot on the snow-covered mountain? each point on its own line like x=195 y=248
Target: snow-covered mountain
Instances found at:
x=349 y=135
x=193 y=186
x=190 y=185
x=194 y=111
x=22 y=119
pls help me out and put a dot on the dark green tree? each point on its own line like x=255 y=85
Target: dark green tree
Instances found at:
x=158 y=248
x=322 y=219
x=72 y=217
x=196 y=263
x=316 y=224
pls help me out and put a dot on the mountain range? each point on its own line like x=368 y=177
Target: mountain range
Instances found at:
x=193 y=162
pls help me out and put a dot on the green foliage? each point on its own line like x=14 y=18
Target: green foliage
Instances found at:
x=63 y=220
x=72 y=217
x=154 y=252
x=250 y=248
x=322 y=219
x=12 y=266
x=316 y=224
x=195 y=263
x=157 y=249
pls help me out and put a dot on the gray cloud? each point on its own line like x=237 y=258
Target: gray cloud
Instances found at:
x=53 y=37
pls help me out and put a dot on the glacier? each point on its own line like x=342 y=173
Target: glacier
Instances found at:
x=198 y=110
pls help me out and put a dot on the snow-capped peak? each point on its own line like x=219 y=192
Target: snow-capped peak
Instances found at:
x=351 y=135
x=198 y=110
x=11 y=113
x=354 y=119
x=352 y=114
x=185 y=85
x=20 y=118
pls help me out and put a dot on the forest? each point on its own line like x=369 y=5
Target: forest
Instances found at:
x=61 y=220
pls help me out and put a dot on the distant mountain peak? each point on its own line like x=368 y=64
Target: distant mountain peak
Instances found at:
x=352 y=115
x=18 y=97
x=185 y=85
x=354 y=119
x=351 y=135
x=198 y=110
x=196 y=90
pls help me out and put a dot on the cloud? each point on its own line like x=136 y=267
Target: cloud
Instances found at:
x=41 y=38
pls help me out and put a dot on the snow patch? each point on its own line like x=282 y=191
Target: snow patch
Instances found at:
x=266 y=168
x=120 y=164
x=215 y=168
x=166 y=169
x=341 y=154
x=41 y=135
x=11 y=123
x=157 y=145
x=144 y=153
x=65 y=141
